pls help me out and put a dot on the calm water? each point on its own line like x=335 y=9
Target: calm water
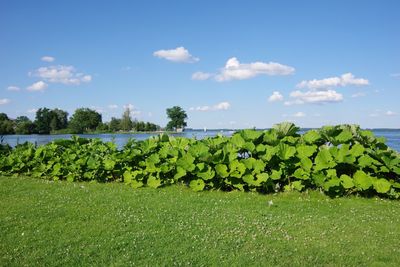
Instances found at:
x=392 y=137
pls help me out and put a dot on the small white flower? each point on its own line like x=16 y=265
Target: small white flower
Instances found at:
x=270 y=203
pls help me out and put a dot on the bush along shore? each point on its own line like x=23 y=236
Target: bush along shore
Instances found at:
x=339 y=160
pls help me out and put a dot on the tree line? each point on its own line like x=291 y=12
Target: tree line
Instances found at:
x=84 y=120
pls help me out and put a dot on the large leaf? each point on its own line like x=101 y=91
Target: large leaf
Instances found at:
x=237 y=169
x=285 y=151
x=197 y=185
x=362 y=180
x=250 y=135
x=237 y=140
x=324 y=160
x=382 y=185
x=311 y=137
x=222 y=170
x=199 y=150
x=208 y=174
x=186 y=162
x=346 y=181
x=304 y=151
x=153 y=182
x=344 y=137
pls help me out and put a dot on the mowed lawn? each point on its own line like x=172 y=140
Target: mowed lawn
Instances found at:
x=46 y=223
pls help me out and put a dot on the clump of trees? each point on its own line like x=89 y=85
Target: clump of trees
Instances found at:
x=83 y=120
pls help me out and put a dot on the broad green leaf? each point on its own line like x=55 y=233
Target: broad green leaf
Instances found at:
x=324 y=160
x=186 y=162
x=285 y=151
x=311 y=137
x=344 y=137
x=199 y=150
x=298 y=186
x=206 y=175
x=276 y=174
x=357 y=150
x=197 y=185
x=109 y=164
x=382 y=185
x=362 y=180
x=237 y=169
x=367 y=161
x=153 y=182
x=180 y=172
x=306 y=164
x=301 y=174
x=346 y=181
x=333 y=182
x=237 y=140
x=250 y=135
x=304 y=151
x=222 y=170
x=136 y=184
x=127 y=177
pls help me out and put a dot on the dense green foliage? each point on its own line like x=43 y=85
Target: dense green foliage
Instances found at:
x=177 y=118
x=339 y=160
x=45 y=223
x=84 y=120
x=6 y=125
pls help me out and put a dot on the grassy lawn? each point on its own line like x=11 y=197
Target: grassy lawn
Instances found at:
x=79 y=224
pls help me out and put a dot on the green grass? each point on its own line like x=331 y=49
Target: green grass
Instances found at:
x=79 y=224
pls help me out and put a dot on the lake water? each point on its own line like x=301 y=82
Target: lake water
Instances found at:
x=392 y=137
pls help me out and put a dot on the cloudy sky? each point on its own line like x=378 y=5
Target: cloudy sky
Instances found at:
x=229 y=64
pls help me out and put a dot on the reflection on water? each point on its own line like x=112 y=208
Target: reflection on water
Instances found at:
x=392 y=137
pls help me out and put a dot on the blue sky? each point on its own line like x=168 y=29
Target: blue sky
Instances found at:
x=229 y=64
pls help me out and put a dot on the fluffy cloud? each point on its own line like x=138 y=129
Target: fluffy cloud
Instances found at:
x=134 y=111
x=314 y=97
x=201 y=76
x=37 y=86
x=4 y=101
x=32 y=110
x=390 y=113
x=234 y=70
x=61 y=74
x=112 y=106
x=343 y=80
x=359 y=94
x=13 y=88
x=48 y=59
x=179 y=54
x=219 y=106
x=276 y=96
x=299 y=114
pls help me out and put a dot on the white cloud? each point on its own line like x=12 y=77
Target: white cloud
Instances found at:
x=33 y=110
x=314 y=97
x=4 y=101
x=234 y=70
x=13 y=88
x=201 y=76
x=134 y=111
x=37 y=86
x=61 y=74
x=343 y=80
x=390 y=113
x=179 y=54
x=219 y=106
x=299 y=114
x=359 y=94
x=112 y=106
x=276 y=96
x=48 y=59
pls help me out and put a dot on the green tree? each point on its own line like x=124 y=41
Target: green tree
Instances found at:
x=177 y=118
x=59 y=119
x=115 y=124
x=126 y=120
x=43 y=120
x=84 y=119
x=23 y=125
x=6 y=125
